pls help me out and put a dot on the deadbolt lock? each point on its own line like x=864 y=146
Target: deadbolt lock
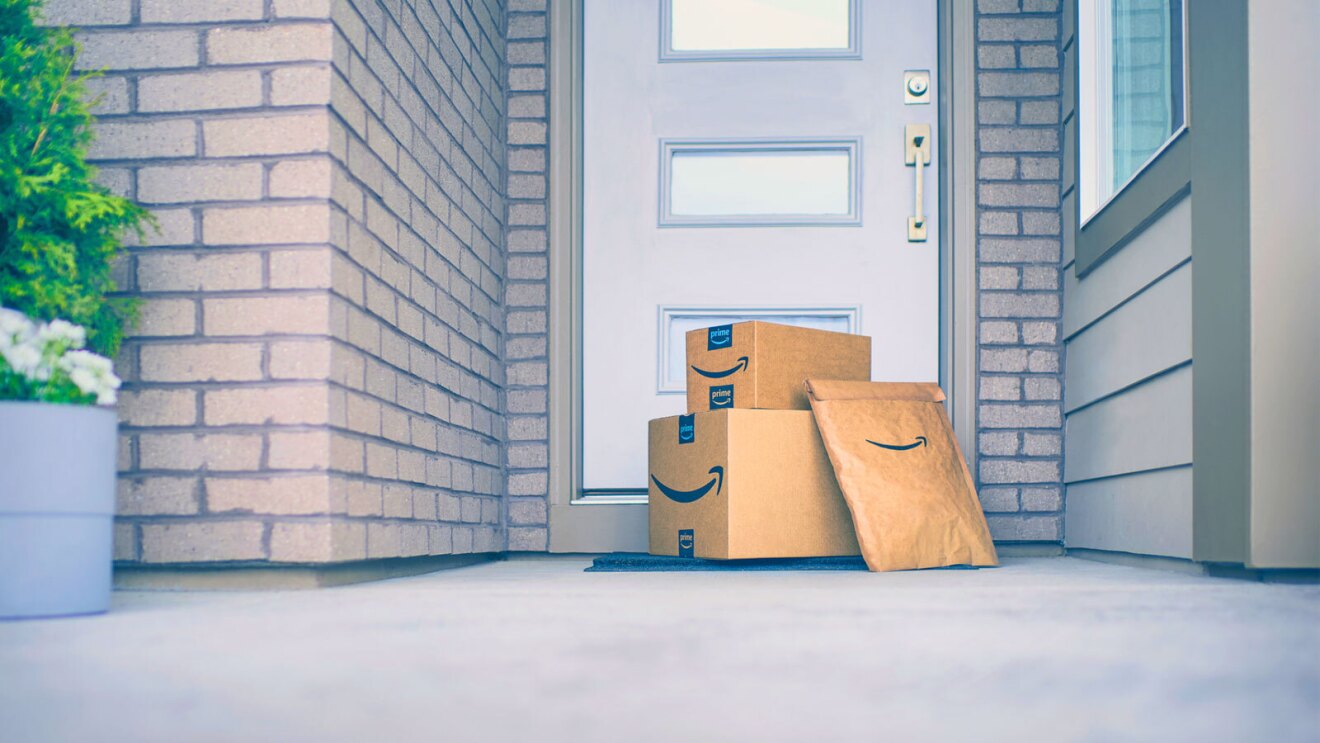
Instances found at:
x=916 y=87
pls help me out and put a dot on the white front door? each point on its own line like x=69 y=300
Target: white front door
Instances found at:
x=745 y=159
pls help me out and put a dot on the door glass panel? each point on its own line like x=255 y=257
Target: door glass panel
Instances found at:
x=675 y=322
x=759 y=184
x=711 y=29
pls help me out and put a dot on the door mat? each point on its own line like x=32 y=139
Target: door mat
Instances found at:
x=633 y=562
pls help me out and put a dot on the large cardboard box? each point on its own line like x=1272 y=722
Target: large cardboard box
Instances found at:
x=731 y=484
x=762 y=365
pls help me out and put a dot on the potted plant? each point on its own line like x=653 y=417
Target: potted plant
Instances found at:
x=57 y=470
x=59 y=234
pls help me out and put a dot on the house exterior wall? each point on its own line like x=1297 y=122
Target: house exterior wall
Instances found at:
x=1285 y=271
x=1128 y=394
x=316 y=373
x=417 y=181
x=1190 y=384
x=527 y=292
x=1127 y=326
x=1019 y=250
x=343 y=353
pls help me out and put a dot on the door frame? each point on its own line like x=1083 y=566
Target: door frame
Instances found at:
x=595 y=523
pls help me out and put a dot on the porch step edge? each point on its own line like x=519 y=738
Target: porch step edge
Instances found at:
x=285 y=577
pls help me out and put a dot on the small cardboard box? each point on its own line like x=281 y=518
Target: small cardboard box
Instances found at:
x=731 y=484
x=762 y=365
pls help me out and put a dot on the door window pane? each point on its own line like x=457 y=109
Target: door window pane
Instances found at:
x=712 y=29
x=759 y=184
x=1133 y=90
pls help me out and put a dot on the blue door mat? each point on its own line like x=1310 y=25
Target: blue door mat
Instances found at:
x=635 y=562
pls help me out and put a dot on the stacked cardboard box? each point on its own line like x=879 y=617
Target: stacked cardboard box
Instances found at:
x=744 y=473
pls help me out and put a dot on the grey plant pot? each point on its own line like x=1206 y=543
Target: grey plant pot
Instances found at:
x=57 y=505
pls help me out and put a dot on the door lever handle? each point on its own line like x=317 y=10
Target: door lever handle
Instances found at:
x=916 y=152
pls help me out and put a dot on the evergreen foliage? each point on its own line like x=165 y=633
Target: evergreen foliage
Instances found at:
x=59 y=230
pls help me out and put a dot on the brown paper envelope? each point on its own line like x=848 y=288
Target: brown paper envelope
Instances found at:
x=912 y=498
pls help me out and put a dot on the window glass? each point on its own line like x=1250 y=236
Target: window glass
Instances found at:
x=742 y=26
x=746 y=183
x=1132 y=90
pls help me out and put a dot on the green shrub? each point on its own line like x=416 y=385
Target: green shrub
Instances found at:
x=59 y=231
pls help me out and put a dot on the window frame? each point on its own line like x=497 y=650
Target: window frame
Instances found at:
x=669 y=147
x=669 y=54
x=1159 y=183
x=1090 y=26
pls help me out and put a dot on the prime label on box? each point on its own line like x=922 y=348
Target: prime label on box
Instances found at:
x=761 y=365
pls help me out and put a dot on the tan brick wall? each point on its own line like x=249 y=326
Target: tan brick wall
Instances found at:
x=416 y=143
x=316 y=375
x=1020 y=289
x=527 y=298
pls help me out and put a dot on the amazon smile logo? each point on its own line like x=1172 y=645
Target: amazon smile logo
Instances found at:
x=688 y=496
x=921 y=441
x=740 y=366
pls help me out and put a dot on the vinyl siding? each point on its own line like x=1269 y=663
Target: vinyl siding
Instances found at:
x=1128 y=395
x=1133 y=513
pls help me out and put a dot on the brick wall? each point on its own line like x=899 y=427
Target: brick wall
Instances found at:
x=213 y=115
x=527 y=292
x=344 y=319
x=417 y=183
x=316 y=374
x=1020 y=383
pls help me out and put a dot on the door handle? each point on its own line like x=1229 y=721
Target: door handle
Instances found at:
x=916 y=152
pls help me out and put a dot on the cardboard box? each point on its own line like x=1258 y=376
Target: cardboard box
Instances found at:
x=762 y=365
x=732 y=484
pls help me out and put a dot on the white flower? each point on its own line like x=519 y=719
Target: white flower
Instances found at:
x=25 y=359
x=15 y=328
x=62 y=332
x=12 y=320
x=93 y=374
x=40 y=352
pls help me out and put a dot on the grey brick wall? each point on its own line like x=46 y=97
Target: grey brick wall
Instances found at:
x=526 y=294
x=317 y=373
x=1020 y=381
x=417 y=214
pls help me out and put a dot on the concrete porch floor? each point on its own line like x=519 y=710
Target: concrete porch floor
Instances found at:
x=535 y=649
